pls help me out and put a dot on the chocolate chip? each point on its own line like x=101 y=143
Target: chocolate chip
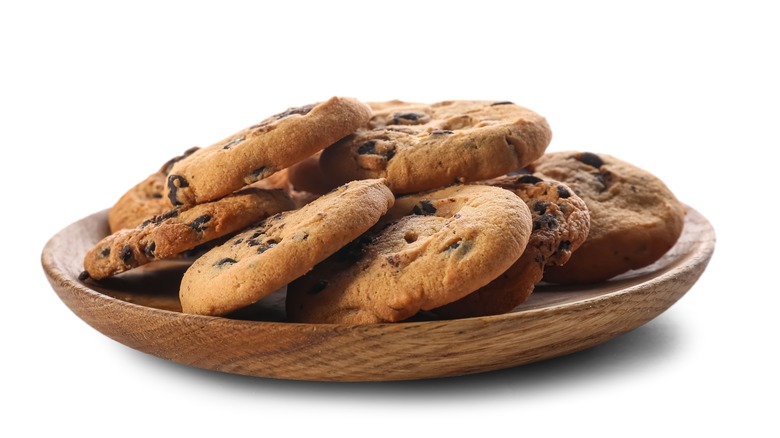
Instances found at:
x=590 y=159
x=105 y=252
x=84 y=276
x=424 y=208
x=157 y=195
x=605 y=178
x=149 y=250
x=175 y=182
x=540 y=207
x=198 y=223
x=268 y=245
x=369 y=148
x=452 y=246
x=441 y=132
x=252 y=242
x=410 y=119
x=169 y=164
x=318 y=287
x=238 y=241
x=528 y=179
x=256 y=175
x=563 y=192
x=545 y=221
x=300 y=110
x=233 y=142
x=156 y=220
x=506 y=102
x=225 y=261
x=564 y=245
x=126 y=254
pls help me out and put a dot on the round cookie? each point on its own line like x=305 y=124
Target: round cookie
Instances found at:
x=271 y=254
x=181 y=229
x=145 y=199
x=560 y=225
x=634 y=217
x=429 y=250
x=261 y=150
x=419 y=147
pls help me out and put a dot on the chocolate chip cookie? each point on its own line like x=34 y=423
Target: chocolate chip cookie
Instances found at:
x=267 y=256
x=560 y=225
x=261 y=150
x=181 y=229
x=634 y=217
x=419 y=147
x=429 y=250
x=144 y=200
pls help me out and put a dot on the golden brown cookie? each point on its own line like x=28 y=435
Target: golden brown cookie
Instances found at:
x=269 y=255
x=261 y=150
x=181 y=229
x=420 y=147
x=429 y=250
x=144 y=200
x=560 y=225
x=634 y=217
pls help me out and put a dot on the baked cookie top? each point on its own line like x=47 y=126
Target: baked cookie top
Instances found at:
x=181 y=229
x=261 y=150
x=419 y=147
x=430 y=249
x=145 y=199
x=560 y=225
x=634 y=217
x=276 y=251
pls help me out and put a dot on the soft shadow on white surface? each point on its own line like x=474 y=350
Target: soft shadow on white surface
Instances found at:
x=632 y=353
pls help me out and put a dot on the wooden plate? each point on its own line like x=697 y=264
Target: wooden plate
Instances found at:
x=141 y=309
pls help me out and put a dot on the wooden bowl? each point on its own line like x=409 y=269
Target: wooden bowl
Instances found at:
x=141 y=309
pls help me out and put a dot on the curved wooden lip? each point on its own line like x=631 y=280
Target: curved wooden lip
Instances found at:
x=55 y=273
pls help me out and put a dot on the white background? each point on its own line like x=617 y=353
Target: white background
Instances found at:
x=93 y=98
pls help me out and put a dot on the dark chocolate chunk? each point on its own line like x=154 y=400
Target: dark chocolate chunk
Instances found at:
x=157 y=195
x=506 y=102
x=84 y=276
x=149 y=250
x=452 y=246
x=563 y=192
x=369 y=148
x=156 y=220
x=300 y=110
x=233 y=142
x=545 y=221
x=318 y=287
x=528 y=179
x=441 y=132
x=409 y=119
x=590 y=159
x=126 y=254
x=199 y=222
x=105 y=252
x=169 y=164
x=541 y=207
x=238 y=241
x=564 y=245
x=225 y=261
x=175 y=182
x=268 y=245
x=424 y=208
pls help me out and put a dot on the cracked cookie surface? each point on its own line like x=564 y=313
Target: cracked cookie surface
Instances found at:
x=430 y=249
x=561 y=223
x=285 y=246
x=419 y=147
x=181 y=229
x=259 y=151
x=634 y=217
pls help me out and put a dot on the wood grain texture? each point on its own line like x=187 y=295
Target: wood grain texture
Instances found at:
x=140 y=309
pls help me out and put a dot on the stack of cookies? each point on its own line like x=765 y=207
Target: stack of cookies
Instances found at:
x=371 y=213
